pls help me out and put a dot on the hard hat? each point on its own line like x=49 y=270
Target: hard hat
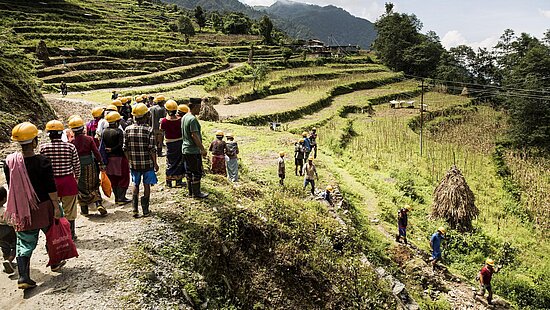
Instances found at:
x=183 y=108
x=111 y=108
x=408 y=208
x=302 y=140
x=490 y=262
x=219 y=133
x=329 y=188
x=281 y=153
x=310 y=158
x=24 y=133
x=97 y=111
x=112 y=117
x=117 y=103
x=442 y=230
x=140 y=110
x=229 y=135
x=171 y=105
x=125 y=99
x=139 y=99
x=54 y=125
x=314 y=128
x=304 y=134
x=76 y=122
x=144 y=96
x=159 y=98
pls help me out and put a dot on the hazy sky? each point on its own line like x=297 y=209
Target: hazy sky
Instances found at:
x=472 y=22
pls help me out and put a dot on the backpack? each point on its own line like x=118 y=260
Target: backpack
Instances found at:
x=231 y=149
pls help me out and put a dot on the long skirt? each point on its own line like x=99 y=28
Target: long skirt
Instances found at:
x=88 y=183
x=118 y=171
x=233 y=169
x=174 y=158
x=218 y=164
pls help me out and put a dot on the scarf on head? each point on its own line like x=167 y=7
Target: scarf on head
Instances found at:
x=21 y=197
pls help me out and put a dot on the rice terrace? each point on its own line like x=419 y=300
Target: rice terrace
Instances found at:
x=250 y=154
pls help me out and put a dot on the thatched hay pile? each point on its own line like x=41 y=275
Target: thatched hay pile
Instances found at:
x=454 y=201
x=230 y=100
x=208 y=112
x=42 y=51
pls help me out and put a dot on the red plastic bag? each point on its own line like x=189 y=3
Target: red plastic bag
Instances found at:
x=59 y=242
x=106 y=184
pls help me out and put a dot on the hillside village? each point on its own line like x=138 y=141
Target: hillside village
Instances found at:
x=454 y=139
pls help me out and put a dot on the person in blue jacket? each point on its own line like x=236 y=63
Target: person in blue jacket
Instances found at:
x=435 y=245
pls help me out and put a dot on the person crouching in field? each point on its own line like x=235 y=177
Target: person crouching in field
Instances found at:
x=66 y=170
x=139 y=146
x=218 y=147
x=118 y=169
x=232 y=152
x=90 y=164
x=32 y=206
x=171 y=126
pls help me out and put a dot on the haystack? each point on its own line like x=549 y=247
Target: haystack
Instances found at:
x=454 y=201
x=465 y=92
x=208 y=112
x=230 y=100
x=42 y=51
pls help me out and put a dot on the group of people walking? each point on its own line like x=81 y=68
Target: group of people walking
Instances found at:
x=66 y=170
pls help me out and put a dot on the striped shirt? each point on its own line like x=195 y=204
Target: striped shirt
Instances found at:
x=64 y=157
x=139 y=145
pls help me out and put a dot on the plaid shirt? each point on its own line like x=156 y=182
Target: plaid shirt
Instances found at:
x=64 y=157
x=139 y=143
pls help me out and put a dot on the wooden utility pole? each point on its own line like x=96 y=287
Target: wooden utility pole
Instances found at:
x=422 y=119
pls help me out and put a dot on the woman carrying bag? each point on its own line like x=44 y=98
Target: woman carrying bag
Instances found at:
x=31 y=207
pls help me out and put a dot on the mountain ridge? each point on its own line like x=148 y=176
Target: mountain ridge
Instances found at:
x=330 y=23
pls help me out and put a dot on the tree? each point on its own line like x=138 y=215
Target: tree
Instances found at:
x=422 y=59
x=287 y=53
x=236 y=23
x=185 y=26
x=266 y=27
x=200 y=17
x=259 y=73
x=217 y=22
x=396 y=33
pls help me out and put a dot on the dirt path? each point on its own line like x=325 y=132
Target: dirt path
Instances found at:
x=456 y=290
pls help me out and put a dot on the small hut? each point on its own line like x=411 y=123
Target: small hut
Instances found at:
x=454 y=201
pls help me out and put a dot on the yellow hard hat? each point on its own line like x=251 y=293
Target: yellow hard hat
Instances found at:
x=111 y=108
x=112 y=117
x=490 y=262
x=76 y=122
x=219 y=133
x=183 y=108
x=314 y=128
x=442 y=230
x=329 y=188
x=301 y=140
x=229 y=135
x=97 y=111
x=310 y=158
x=408 y=207
x=125 y=99
x=54 y=125
x=304 y=134
x=24 y=133
x=140 y=110
x=281 y=153
x=117 y=103
x=171 y=105
x=139 y=99
x=159 y=98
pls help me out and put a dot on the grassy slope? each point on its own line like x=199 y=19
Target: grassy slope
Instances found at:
x=383 y=154
x=256 y=245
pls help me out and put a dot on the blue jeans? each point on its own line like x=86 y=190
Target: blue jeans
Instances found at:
x=312 y=182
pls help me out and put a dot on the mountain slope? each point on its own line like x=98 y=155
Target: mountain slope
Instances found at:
x=325 y=22
x=302 y=21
